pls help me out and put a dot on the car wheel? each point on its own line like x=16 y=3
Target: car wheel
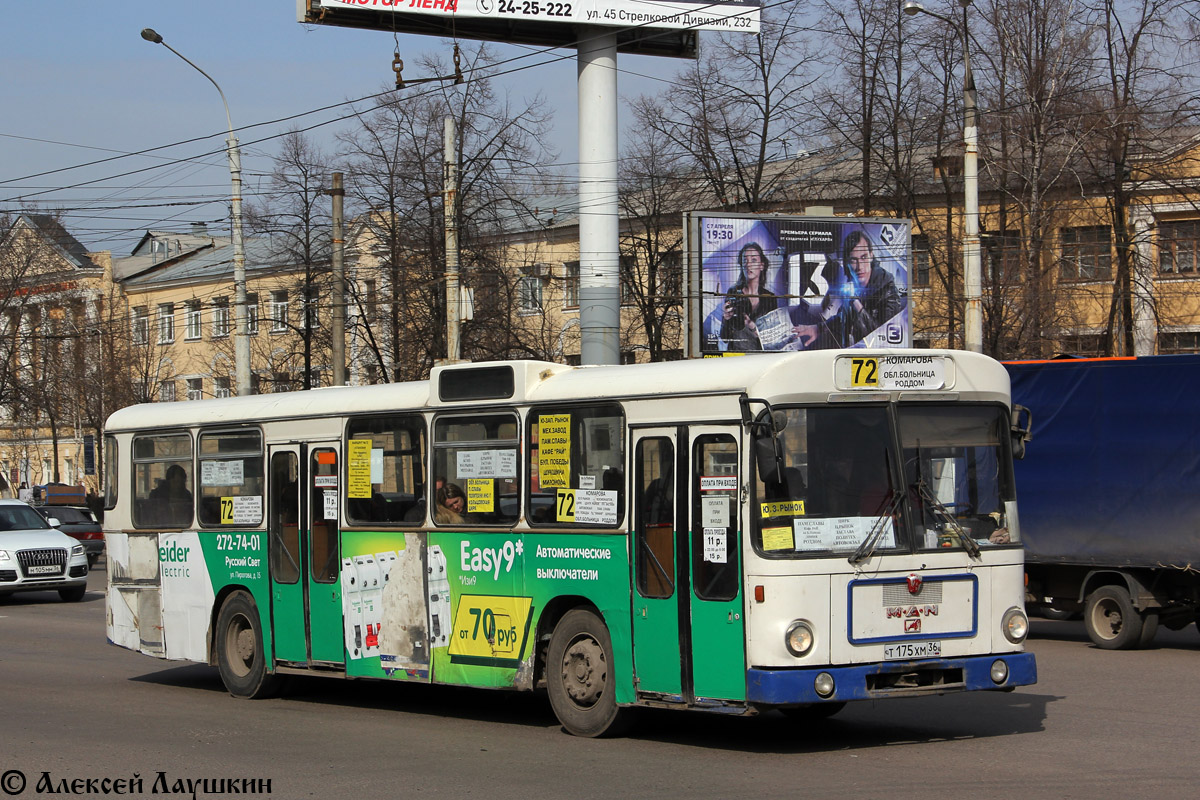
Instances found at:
x=580 y=678
x=73 y=594
x=241 y=657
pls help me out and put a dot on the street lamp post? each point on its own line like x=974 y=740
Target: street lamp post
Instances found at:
x=241 y=336
x=972 y=268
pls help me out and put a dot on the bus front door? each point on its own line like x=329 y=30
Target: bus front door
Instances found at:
x=303 y=525
x=687 y=600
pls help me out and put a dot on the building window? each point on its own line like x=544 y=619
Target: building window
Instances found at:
x=628 y=276
x=1003 y=258
x=1083 y=344
x=529 y=294
x=370 y=301
x=166 y=392
x=166 y=323
x=251 y=313
x=220 y=387
x=920 y=260
x=1179 y=249
x=670 y=273
x=372 y=374
x=571 y=287
x=279 y=311
x=281 y=382
x=141 y=325
x=195 y=318
x=1086 y=253
x=220 y=323
x=195 y=388
x=312 y=299
x=1179 y=342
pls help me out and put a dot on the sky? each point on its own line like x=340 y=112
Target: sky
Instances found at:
x=81 y=85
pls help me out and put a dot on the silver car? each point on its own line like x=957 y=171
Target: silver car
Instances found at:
x=36 y=557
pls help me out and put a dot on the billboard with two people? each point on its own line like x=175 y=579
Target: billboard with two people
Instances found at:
x=799 y=283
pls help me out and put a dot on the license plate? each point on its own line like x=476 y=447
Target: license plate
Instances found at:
x=46 y=569
x=903 y=651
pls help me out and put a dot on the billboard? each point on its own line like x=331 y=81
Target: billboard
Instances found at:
x=653 y=27
x=772 y=283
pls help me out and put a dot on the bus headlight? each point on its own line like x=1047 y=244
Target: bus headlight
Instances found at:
x=1015 y=625
x=823 y=684
x=799 y=638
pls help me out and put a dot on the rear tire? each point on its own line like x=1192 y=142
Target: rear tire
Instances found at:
x=241 y=658
x=73 y=594
x=580 y=678
x=1111 y=620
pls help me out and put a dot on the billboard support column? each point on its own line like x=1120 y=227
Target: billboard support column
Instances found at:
x=599 y=263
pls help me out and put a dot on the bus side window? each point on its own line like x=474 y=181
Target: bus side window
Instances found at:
x=323 y=518
x=714 y=547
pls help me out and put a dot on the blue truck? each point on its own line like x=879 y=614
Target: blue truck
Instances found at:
x=1109 y=492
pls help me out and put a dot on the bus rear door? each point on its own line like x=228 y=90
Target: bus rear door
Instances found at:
x=305 y=588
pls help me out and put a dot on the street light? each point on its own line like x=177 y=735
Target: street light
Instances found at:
x=241 y=337
x=972 y=271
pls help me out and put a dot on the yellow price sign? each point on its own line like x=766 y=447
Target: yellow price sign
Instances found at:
x=226 y=510
x=490 y=630
x=864 y=373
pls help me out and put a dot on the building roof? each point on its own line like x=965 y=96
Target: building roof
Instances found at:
x=60 y=239
x=211 y=262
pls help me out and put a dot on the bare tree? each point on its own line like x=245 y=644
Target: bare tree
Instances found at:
x=394 y=166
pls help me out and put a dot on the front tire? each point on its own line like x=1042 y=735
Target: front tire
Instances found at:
x=580 y=678
x=241 y=658
x=1111 y=620
x=72 y=594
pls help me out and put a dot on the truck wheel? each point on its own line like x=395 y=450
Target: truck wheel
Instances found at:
x=1149 y=628
x=241 y=658
x=1111 y=620
x=580 y=678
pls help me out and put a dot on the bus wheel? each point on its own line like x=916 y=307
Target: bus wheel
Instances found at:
x=813 y=711
x=1111 y=620
x=239 y=646
x=579 y=676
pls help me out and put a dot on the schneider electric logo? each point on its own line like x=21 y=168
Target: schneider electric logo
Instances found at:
x=173 y=561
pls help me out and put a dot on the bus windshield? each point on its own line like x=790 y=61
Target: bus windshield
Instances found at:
x=959 y=474
x=836 y=488
x=833 y=487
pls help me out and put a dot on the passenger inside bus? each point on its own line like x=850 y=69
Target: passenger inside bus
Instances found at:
x=451 y=505
x=171 y=500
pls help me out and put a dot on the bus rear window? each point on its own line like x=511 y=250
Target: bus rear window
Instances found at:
x=162 y=481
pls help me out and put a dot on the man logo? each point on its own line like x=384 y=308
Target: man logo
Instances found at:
x=912 y=625
x=914 y=582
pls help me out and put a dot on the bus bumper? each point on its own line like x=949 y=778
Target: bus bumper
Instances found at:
x=891 y=679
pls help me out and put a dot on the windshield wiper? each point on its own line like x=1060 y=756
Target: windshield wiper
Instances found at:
x=867 y=547
x=943 y=515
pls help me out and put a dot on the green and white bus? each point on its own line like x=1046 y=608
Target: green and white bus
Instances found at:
x=777 y=531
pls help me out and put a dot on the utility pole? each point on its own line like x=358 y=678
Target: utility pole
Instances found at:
x=339 y=284
x=450 y=209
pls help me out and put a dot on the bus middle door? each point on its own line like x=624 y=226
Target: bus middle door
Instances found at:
x=688 y=629
x=303 y=525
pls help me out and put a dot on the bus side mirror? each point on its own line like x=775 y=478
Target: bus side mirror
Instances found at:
x=768 y=452
x=1020 y=427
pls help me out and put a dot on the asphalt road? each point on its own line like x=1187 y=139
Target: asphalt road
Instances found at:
x=1098 y=724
